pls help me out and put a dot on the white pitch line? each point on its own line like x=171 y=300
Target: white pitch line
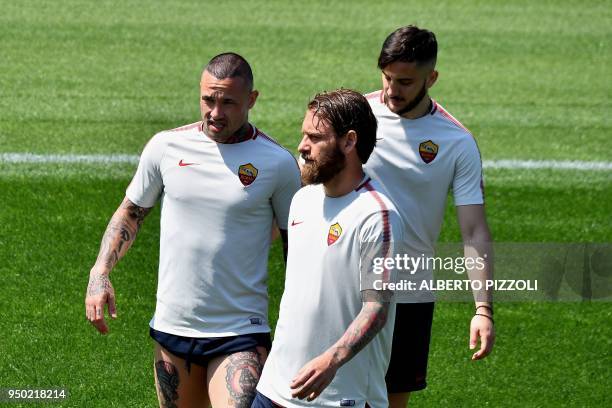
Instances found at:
x=133 y=159
x=547 y=164
x=67 y=158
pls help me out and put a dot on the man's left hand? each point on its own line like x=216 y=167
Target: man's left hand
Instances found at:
x=314 y=377
x=482 y=327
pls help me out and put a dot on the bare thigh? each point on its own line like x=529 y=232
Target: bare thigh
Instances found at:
x=177 y=388
x=232 y=378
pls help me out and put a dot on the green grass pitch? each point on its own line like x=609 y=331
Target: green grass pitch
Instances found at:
x=530 y=79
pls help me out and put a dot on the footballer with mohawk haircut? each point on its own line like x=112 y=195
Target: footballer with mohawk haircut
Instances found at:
x=220 y=181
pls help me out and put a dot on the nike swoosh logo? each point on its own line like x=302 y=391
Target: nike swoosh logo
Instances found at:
x=293 y=223
x=182 y=164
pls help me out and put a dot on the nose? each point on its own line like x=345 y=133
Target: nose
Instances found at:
x=304 y=147
x=392 y=89
x=216 y=112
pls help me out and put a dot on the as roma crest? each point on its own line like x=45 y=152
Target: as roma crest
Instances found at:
x=428 y=151
x=247 y=173
x=334 y=233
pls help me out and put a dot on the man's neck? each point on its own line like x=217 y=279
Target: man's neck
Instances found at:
x=345 y=181
x=422 y=109
x=244 y=133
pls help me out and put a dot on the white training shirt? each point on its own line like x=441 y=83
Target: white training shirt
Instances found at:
x=417 y=161
x=218 y=203
x=323 y=294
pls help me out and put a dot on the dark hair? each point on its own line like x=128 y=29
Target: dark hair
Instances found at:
x=409 y=44
x=230 y=65
x=346 y=110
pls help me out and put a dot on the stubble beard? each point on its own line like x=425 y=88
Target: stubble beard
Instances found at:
x=410 y=105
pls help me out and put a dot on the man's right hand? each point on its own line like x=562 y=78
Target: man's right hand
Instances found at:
x=118 y=237
x=99 y=293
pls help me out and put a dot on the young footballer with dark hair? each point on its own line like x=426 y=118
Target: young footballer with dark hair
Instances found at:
x=423 y=151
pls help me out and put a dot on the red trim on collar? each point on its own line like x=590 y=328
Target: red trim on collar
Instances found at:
x=363 y=184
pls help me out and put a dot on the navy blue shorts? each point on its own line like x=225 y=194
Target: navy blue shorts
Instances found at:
x=201 y=350
x=261 y=401
x=410 y=350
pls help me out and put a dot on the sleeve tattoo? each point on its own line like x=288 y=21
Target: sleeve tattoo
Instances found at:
x=370 y=320
x=120 y=233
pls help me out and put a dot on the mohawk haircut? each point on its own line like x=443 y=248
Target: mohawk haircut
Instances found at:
x=409 y=44
x=231 y=65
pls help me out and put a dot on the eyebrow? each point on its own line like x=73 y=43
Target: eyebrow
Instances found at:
x=213 y=96
x=310 y=134
x=399 y=79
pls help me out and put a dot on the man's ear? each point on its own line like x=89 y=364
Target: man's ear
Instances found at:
x=350 y=141
x=253 y=97
x=432 y=78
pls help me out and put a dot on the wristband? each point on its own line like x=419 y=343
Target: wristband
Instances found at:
x=487 y=316
x=486 y=307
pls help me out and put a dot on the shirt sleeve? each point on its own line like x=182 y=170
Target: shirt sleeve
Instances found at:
x=380 y=240
x=288 y=183
x=468 y=186
x=147 y=185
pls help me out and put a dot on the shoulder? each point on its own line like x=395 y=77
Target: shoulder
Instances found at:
x=158 y=143
x=373 y=198
x=305 y=197
x=452 y=124
x=272 y=146
x=454 y=131
x=269 y=142
x=375 y=96
x=379 y=214
x=165 y=136
x=377 y=103
x=192 y=127
x=372 y=192
x=309 y=191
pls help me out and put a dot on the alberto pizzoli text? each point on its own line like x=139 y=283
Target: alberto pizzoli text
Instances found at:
x=458 y=284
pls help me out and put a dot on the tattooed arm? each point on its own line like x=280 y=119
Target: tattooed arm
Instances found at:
x=318 y=373
x=118 y=237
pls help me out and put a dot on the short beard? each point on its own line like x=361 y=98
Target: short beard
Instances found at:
x=325 y=169
x=413 y=103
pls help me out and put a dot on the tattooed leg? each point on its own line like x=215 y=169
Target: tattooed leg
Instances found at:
x=167 y=383
x=177 y=388
x=243 y=371
x=232 y=379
